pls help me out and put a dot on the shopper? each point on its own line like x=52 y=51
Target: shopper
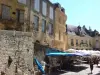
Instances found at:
x=91 y=65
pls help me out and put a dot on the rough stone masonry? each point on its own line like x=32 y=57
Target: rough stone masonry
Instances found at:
x=16 y=53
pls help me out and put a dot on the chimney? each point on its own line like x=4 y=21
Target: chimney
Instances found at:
x=57 y=5
x=63 y=10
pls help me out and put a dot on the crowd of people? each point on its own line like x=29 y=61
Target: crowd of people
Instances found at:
x=47 y=63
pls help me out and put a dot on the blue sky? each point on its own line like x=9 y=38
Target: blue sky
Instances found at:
x=83 y=12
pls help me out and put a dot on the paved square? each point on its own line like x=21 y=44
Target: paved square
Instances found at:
x=86 y=71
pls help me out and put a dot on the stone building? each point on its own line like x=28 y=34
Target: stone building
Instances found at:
x=82 y=38
x=96 y=42
x=60 y=27
x=34 y=16
x=42 y=25
x=42 y=21
x=78 y=39
x=13 y=15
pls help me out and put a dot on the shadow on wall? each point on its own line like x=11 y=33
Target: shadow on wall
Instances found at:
x=39 y=49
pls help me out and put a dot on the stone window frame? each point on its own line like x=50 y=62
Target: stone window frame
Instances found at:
x=86 y=43
x=51 y=13
x=90 y=43
x=21 y=1
x=44 y=8
x=36 y=27
x=44 y=26
x=19 y=17
x=76 y=42
x=5 y=13
x=72 y=42
x=81 y=43
x=50 y=31
x=37 y=6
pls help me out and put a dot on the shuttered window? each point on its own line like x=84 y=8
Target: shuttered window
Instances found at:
x=5 y=12
x=20 y=16
x=72 y=42
x=44 y=8
x=51 y=13
x=22 y=1
x=36 y=22
x=37 y=5
x=43 y=25
x=50 y=29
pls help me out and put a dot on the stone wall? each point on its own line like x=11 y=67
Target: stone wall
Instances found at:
x=17 y=48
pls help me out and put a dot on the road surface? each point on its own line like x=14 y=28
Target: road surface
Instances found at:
x=83 y=69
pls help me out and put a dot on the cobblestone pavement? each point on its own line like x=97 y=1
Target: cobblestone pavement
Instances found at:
x=84 y=69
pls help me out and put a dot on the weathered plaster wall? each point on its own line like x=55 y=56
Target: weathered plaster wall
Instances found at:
x=19 y=46
x=12 y=23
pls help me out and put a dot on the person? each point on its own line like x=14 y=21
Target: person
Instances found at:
x=97 y=61
x=43 y=64
x=91 y=65
x=47 y=65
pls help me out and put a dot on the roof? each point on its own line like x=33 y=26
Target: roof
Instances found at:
x=71 y=29
x=83 y=31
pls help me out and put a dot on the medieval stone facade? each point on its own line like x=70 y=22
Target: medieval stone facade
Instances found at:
x=13 y=15
x=42 y=21
x=60 y=27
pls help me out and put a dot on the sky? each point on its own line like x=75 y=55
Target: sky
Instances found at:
x=82 y=12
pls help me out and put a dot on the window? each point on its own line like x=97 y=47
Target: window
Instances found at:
x=72 y=42
x=44 y=8
x=22 y=1
x=43 y=25
x=37 y=5
x=51 y=13
x=81 y=41
x=90 y=43
x=50 y=29
x=36 y=22
x=76 y=42
x=86 y=43
x=59 y=35
x=20 y=16
x=5 y=12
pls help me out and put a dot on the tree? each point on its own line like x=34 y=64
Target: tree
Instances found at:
x=90 y=28
x=84 y=27
x=78 y=30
